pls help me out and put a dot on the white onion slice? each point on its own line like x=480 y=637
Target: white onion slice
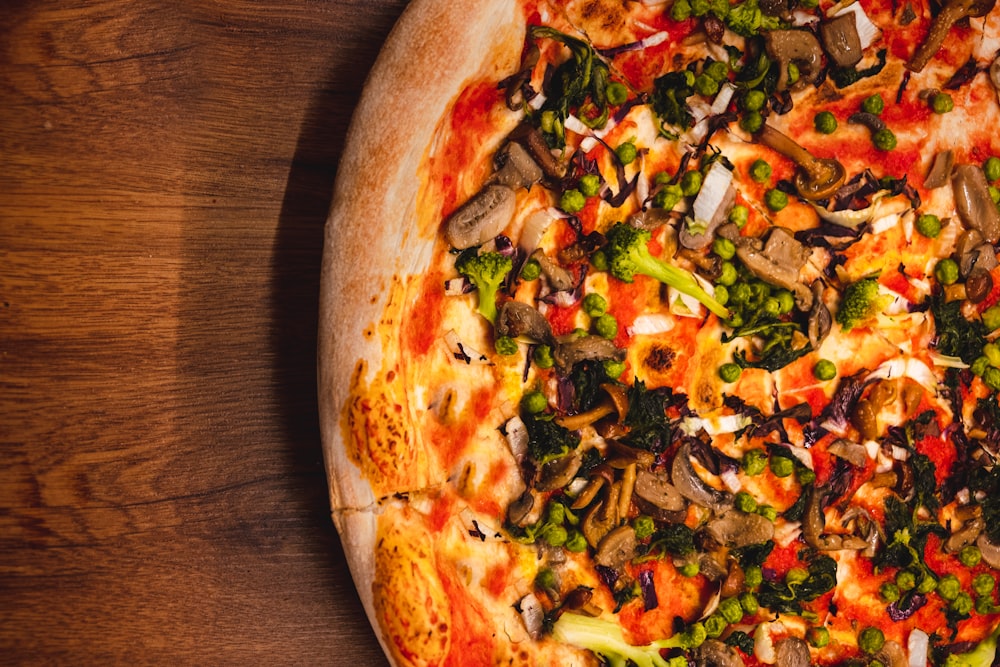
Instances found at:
x=462 y=353
x=454 y=286
x=916 y=648
x=731 y=480
x=535 y=226
x=723 y=98
x=517 y=437
x=651 y=324
x=713 y=192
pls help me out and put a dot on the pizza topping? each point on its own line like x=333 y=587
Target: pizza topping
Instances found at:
x=798 y=48
x=841 y=40
x=953 y=11
x=973 y=201
x=481 y=218
x=817 y=178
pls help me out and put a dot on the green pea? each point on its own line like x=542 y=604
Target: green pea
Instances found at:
x=556 y=536
x=753 y=576
x=825 y=122
x=806 y=476
x=616 y=93
x=749 y=603
x=626 y=152
x=946 y=271
x=991 y=318
x=691 y=183
x=768 y=512
x=599 y=260
x=991 y=377
x=731 y=610
x=962 y=604
x=644 y=526
x=606 y=326
x=754 y=461
x=793 y=73
x=884 y=139
x=543 y=357
x=873 y=104
x=730 y=372
x=818 y=636
x=824 y=370
x=715 y=625
x=983 y=584
x=980 y=365
x=572 y=201
x=927 y=584
x=992 y=352
x=590 y=184
x=721 y=294
x=706 y=85
x=760 y=171
x=771 y=307
x=905 y=580
x=728 y=276
x=534 y=402
x=752 y=121
x=718 y=70
x=775 y=200
x=991 y=168
x=668 y=197
x=531 y=270
x=929 y=225
x=576 y=542
x=690 y=569
x=948 y=587
x=942 y=103
x=994 y=193
x=745 y=502
x=594 y=304
x=724 y=248
x=871 y=640
x=613 y=368
x=735 y=320
x=781 y=466
x=889 y=592
x=796 y=575
x=754 y=100
x=739 y=215
x=506 y=346
x=786 y=301
x=984 y=605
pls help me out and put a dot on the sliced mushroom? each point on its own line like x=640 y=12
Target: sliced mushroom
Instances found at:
x=558 y=473
x=616 y=548
x=539 y=150
x=966 y=535
x=736 y=529
x=559 y=279
x=657 y=497
x=891 y=655
x=816 y=178
x=693 y=487
x=974 y=253
x=519 y=319
x=792 y=652
x=519 y=510
x=979 y=284
x=481 y=218
x=841 y=40
x=602 y=518
x=778 y=263
x=973 y=202
x=714 y=653
x=569 y=353
x=515 y=168
x=820 y=319
x=852 y=452
x=813 y=525
x=990 y=551
x=940 y=171
x=952 y=11
x=798 y=46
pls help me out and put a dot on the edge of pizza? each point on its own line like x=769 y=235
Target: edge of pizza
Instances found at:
x=684 y=372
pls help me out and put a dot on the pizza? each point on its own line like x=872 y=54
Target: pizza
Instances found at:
x=665 y=333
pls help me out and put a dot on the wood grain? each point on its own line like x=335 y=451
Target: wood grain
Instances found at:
x=165 y=172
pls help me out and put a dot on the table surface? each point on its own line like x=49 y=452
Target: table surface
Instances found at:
x=165 y=171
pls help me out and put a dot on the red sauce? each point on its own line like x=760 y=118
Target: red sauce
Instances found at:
x=627 y=301
x=425 y=317
x=941 y=452
x=641 y=67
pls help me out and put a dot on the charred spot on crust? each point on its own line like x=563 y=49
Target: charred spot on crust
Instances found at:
x=660 y=358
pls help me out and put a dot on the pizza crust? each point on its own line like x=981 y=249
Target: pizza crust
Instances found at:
x=372 y=243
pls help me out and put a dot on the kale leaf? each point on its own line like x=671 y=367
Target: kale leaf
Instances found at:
x=548 y=440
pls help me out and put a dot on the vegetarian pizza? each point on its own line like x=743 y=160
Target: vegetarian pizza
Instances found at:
x=665 y=334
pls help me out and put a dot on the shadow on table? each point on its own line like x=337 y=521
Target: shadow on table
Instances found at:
x=297 y=256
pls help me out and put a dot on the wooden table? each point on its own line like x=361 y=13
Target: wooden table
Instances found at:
x=165 y=171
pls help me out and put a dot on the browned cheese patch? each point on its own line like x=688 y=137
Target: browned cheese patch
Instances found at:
x=410 y=600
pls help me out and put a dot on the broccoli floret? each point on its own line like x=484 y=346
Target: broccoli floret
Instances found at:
x=981 y=656
x=487 y=272
x=861 y=302
x=628 y=255
x=606 y=639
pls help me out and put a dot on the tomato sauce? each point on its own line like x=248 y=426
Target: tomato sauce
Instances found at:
x=419 y=335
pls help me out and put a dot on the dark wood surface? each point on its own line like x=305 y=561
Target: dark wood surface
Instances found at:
x=165 y=172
